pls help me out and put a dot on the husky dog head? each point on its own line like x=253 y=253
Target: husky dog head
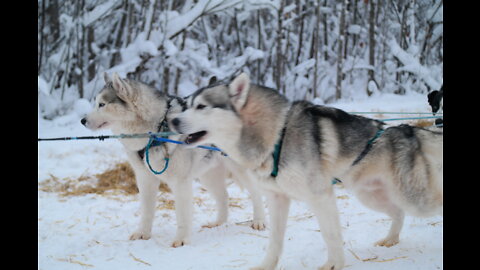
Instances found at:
x=216 y=103
x=239 y=117
x=123 y=105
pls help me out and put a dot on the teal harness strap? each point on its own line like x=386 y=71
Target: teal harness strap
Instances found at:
x=378 y=134
x=368 y=146
x=276 y=154
x=148 y=160
x=153 y=142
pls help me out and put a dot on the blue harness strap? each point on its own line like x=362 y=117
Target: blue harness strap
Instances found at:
x=152 y=142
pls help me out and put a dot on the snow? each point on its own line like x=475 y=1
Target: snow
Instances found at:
x=43 y=86
x=412 y=65
x=81 y=107
x=91 y=231
x=180 y=22
x=354 y=29
x=97 y=12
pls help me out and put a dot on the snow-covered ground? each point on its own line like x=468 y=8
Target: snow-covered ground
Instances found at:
x=91 y=231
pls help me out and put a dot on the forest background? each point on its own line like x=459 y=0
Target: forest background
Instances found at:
x=318 y=50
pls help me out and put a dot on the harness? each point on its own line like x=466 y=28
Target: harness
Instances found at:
x=368 y=146
x=144 y=152
x=278 y=148
x=276 y=153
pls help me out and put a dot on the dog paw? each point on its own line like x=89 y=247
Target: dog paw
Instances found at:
x=258 y=225
x=212 y=225
x=387 y=242
x=140 y=236
x=179 y=243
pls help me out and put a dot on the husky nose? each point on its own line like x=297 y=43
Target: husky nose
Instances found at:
x=83 y=121
x=176 y=122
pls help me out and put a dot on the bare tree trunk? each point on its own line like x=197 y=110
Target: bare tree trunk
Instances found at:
x=403 y=45
x=371 y=47
x=118 y=40
x=237 y=31
x=384 y=49
x=130 y=23
x=145 y=5
x=341 y=38
x=278 y=68
x=54 y=23
x=166 y=79
x=259 y=46
x=355 y=12
x=284 y=63
x=300 y=10
x=152 y=19
x=91 y=53
x=317 y=36
x=430 y=26
x=345 y=42
x=179 y=71
x=325 y=34
x=80 y=48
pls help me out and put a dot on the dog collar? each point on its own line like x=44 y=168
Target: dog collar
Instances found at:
x=162 y=127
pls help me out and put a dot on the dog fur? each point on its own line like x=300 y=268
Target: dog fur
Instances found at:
x=400 y=172
x=127 y=106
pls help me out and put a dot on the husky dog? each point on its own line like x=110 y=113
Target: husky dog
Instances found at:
x=397 y=171
x=127 y=106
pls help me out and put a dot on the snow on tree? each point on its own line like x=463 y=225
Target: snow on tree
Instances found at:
x=303 y=48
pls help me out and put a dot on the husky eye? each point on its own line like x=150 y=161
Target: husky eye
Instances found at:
x=200 y=106
x=101 y=105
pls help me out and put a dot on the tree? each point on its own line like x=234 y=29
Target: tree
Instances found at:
x=341 y=39
x=307 y=49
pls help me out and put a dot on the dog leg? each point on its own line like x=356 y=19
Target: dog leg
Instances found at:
x=375 y=197
x=258 y=208
x=182 y=192
x=325 y=209
x=278 y=207
x=393 y=236
x=214 y=182
x=148 y=187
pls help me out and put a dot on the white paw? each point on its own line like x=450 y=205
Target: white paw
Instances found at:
x=388 y=242
x=258 y=225
x=140 y=236
x=212 y=225
x=179 y=243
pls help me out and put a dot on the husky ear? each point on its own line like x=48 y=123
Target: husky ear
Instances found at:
x=121 y=87
x=212 y=80
x=106 y=78
x=238 y=89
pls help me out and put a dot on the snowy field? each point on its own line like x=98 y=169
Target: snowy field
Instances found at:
x=91 y=231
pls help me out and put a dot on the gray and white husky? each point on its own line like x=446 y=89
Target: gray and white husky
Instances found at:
x=397 y=170
x=127 y=106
